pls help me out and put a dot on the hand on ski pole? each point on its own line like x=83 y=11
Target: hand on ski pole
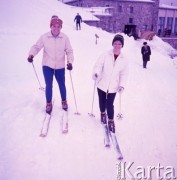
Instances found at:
x=120 y=89
x=69 y=66
x=30 y=58
x=95 y=76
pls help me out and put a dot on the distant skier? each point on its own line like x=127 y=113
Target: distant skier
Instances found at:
x=78 y=20
x=146 y=52
x=55 y=45
x=110 y=72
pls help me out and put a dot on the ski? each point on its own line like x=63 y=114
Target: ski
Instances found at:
x=45 y=126
x=116 y=146
x=106 y=135
x=64 y=122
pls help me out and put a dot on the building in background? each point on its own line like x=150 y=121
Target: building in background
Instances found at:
x=133 y=17
x=167 y=24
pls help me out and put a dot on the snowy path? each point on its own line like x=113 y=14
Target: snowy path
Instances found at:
x=147 y=134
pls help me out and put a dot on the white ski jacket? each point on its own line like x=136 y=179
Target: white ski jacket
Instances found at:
x=111 y=73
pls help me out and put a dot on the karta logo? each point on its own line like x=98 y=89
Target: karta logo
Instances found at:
x=128 y=171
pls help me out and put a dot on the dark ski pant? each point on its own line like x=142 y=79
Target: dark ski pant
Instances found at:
x=60 y=78
x=106 y=101
x=78 y=25
x=144 y=64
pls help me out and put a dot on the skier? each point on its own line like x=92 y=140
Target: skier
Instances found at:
x=110 y=72
x=55 y=46
x=78 y=20
x=146 y=52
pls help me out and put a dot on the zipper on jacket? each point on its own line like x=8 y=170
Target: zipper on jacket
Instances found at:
x=111 y=74
x=55 y=53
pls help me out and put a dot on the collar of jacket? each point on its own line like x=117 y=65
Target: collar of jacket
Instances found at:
x=49 y=34
x=112 y=54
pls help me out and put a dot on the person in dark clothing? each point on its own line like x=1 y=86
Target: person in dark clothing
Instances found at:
x=165 y=32
x=78 y=20
x=146 y=52
x=159 y=32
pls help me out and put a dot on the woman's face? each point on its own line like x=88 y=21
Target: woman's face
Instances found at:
x=55 y=29
x=117 y=45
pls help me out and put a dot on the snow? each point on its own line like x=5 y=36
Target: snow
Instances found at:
x=66 y=1
x=169 y=2
x=167 y=6
x=147 y=133
x=140 y=0
x=102 y=11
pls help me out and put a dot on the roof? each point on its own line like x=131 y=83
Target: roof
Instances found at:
x=66 y=1
x=103 y=11
x=164 y=6
x=150 y=1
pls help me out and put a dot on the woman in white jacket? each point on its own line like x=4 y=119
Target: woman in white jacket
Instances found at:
x=110 y=72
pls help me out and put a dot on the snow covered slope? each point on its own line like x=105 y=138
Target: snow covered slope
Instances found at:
x=147 y=134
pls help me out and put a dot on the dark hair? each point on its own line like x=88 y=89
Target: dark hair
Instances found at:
x=54 y=17
x=145 y=43
x=118 y=37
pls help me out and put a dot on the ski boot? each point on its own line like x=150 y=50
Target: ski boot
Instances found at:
x=103 y=118
x=64 y=105
x=49 y=108
x=111 y=125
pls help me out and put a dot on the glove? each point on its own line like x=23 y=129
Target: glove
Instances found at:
x=95 y=76
x=120 y=89
x=30 y=58
x=69 y=66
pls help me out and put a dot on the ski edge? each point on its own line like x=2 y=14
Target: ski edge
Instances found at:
x=116 y=146
x=44 y=132
x=64 y=122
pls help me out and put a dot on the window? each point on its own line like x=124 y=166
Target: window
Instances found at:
x=119 y=8
x=130 y=20
x=175 y=28
x=169 y=23
x=162 y=23
x=131 y=9
x=144 y=28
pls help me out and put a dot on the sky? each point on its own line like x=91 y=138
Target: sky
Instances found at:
x=146 y=134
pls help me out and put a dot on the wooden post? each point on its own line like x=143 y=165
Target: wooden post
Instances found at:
x=96 y=36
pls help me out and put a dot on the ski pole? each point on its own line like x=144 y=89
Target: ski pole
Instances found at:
x=74 y=94
x=119 y=115
x=41 y=88
x=91 y=114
